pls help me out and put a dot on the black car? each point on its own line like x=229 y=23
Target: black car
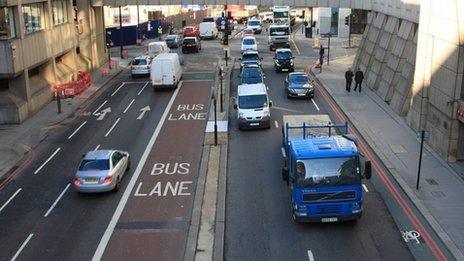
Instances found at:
x=250 y=57
x=283 y=60
x=299 y=85
x=191 y=44
x=173 y=41
x=252 y=74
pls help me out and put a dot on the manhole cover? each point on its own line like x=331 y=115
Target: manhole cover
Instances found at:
x=432 y=182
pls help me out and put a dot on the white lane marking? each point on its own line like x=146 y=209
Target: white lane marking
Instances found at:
x=50 y=158
x=23 y=245
x=283 y=152
x=141 y=90
x=10 y=199
x=296 y=46
x=143 y=111
x=78 y=128
x=103 y=113
x=98 y=146
x=365 y=188
x=276 y=124
x=317 y=107
x=128 y=106
x=56 y=201
x=103 y=104
x=123 y=201
x=310 y=255
x=118 y=89
x=112 y=127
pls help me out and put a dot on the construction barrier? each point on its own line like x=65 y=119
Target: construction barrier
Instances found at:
x=70 y=89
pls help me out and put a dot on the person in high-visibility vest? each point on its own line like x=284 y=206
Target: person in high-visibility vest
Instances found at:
x=160 y=31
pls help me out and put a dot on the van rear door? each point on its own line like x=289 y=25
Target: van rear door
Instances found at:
x=167 y=72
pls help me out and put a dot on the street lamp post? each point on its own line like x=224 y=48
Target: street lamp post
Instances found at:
x=328 y=49
x=120 y=33
x=213 y=97
x=422 y=136
x=221 y=72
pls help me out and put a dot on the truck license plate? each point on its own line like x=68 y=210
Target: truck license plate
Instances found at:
x=254 y=124
x=331 y=219
x=284 y=70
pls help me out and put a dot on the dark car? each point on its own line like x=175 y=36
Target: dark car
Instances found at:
x=252 y=74
x=299 y=85
x=250 y=57
x=191 y=44
x=173 y=41
x=283 y=60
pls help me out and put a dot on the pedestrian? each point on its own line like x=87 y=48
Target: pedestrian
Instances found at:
x=358 y=78
x=349 y=79
x=160 y=31
x=321 y=54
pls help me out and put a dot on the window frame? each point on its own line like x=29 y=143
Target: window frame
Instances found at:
x=59 y=12
x=33 y=17
x=8 y=22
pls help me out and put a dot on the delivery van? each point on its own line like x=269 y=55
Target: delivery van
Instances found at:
x=253 y=106
x=155 y=48
x=208 y=30
x=166 y=71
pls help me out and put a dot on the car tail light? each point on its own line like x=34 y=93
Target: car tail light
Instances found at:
x=173 y=78
x=107 y=179
x=76 y=181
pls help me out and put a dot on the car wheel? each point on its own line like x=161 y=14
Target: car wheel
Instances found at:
x=128 y=165
x=118 y=184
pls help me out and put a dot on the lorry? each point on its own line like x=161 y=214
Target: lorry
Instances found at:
x=278 y=36
x=323 y=169
x=281 y=15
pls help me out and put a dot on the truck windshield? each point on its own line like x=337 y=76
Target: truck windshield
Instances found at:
x=328 y=172
x=279 y=31
x=252 y=101
x=282 y=14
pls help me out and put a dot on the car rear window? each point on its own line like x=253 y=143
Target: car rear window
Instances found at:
x=189 y=41
x=139 y=62
x=188 y=29
x=248 y=41
x=95 y=164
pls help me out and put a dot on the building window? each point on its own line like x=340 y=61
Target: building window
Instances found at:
x=60 y=11
x=7 y=25
x=33 y=17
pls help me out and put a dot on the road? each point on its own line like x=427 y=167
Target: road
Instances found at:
x=259 y=224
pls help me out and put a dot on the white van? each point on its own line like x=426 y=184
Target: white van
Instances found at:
x=165 y=70
x=155 y=48
x=252 y=105
x=208 y=30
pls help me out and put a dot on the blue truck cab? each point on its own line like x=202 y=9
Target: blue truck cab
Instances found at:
x=323 y=169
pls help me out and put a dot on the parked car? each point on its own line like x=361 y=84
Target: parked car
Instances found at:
x=191 y=31
x=173 y=41
x=253 y=106
x=299 y=85
x=140 y=66
x=283 y=60
x=247 y=32
x=155 y=48
x=249 y=43
x=250 y=57
x=191 y=44
x=101 y=171
x=252 y=74
x=255 y=25
x=165 y=71
x=208 y=30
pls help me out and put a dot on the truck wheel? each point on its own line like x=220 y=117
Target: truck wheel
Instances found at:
x=295 y=218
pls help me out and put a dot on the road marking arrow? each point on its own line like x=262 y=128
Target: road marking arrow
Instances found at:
x=143 y=111
x=103 y=113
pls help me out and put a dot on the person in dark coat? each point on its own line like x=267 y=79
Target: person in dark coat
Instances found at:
x=358 y=78
x=321 y=54
x=349 y=79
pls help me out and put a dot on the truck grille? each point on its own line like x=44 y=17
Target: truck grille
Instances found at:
x=328 y=209
x=347 y=195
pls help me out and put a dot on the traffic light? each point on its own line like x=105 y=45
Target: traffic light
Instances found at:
x=225 y=39
x=347 y=20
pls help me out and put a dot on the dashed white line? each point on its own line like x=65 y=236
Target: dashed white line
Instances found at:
x=23 y=245
x=296 y=47
x=276 y=124
x=96 y=148
x=112 y=127
x=141 y=90
x=365 y=188
x=78 y=128
x=56 y=201
x=283 y=152
x=10 y=199
x=317 y=107
x=123 y=201
x=310 y=255
x=128 y=106
x=103 y=104
x=50 y=158
x=118 y=89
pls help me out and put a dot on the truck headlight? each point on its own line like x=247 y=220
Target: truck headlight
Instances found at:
x=356 y=207
x=240 y=115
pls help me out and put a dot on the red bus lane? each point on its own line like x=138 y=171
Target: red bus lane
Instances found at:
x=155 y=221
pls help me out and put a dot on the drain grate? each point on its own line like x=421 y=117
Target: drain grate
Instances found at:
x=432 y=182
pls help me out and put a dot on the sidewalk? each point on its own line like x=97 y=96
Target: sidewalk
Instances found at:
x=441 y=192
x=16 y=141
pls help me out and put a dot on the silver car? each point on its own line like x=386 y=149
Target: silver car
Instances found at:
x=101 y=171
x=140 y=66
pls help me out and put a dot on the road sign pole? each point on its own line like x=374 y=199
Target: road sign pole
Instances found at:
x=422 y=133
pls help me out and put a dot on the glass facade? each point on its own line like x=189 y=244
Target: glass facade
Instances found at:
x=33 y=17
x=7 y=24
x=60 y=11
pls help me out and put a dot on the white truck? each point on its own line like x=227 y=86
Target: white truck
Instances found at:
x=278 y=36
x=208 y=30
